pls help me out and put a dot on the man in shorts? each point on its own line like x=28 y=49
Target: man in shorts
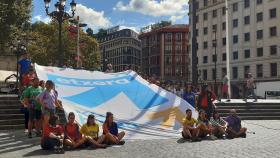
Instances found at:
x=190 y=131
x=34 y=107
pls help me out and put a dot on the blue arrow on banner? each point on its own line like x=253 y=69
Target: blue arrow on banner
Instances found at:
x=103 y=90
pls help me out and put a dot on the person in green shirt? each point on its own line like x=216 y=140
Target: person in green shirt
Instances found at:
x=34 y=107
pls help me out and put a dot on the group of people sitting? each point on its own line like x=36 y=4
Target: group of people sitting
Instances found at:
x=55 y=137
x=213 y=127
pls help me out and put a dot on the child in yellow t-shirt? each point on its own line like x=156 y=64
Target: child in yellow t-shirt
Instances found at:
x=190 y=131
x=91 y=131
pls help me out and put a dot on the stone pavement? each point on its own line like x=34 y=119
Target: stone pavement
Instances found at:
x=264 y=143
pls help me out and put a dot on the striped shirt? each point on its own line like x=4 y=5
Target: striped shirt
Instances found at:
x=217 y=122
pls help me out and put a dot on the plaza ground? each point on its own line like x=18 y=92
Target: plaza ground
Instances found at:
x=264 y=143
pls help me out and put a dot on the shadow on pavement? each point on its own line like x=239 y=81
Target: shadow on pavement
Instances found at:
x=38 y=152
x=181 y=140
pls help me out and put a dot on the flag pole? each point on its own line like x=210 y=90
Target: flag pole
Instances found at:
x=228 y=49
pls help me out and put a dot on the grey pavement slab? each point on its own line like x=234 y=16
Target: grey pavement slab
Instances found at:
x=265 y=143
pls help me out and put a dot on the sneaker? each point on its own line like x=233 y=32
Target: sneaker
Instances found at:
x=29 y=135
x=212 y=137
x=38 y=134
x=26 y=131
x=243 y=135
x=255 y=100
x=122 y=142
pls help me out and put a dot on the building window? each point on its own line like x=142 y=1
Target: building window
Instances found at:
x=260 y=34
x=197 y=19
x=205 y=3
x=247 y=53
x=205 y=30
x=224 y=70
x=224 y=41
x=272 y=13
x=196 y=32
x=259 y=17
x=205 y=45
x=214 y=27
x=205 y=59
x=273 y=31
x=234 y=7
x=273 y=50
x=214 y=14
x=168 y=37
x=205 y=16
x=259 y=52
x=234 y=72
x=213 y=74
x=214 y=43
x=224 y=26
x=247 y=4
x=246 y=20
x=259 y=70
x=235 y=23
x=235 y=55
x=224 y=58
x=205 y=75
x=235 y=39
x=259 y=1
x=224 y=10
x=214 y=58
x=273 y=69
x=246 y=70
x=247 y=37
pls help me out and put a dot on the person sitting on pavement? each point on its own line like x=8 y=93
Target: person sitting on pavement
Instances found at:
x=91 y=130
x=190 y=131
x=235 y=129
x=189 y=96
x=73 y=137
x=110 y=129
x=204 y=126
x=219 y=125
x=205 y=101
x=53 y=136
x=34 y=107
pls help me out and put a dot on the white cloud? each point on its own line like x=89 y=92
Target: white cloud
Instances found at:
x=176 y=9
x=93 y=18
x=137 y=30
x=43 y=19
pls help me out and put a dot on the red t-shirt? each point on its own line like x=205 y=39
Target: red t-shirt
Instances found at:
x=58 y=130
x=72 y=131
x=28 y=78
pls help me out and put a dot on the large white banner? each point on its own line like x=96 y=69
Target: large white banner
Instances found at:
x=143 y=110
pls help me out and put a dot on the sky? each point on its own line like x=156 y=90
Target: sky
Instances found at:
x=133 y=14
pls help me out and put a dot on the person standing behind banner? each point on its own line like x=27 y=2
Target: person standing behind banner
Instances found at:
x=23 y=66
x=49 y=101
x=250 y=86
x=110 y=129
x=205 y=101
x=91 y=130
x=225 y=87
x=189 y=96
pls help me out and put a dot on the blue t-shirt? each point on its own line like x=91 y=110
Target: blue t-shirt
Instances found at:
x=24 y=66
x=190 y=98
x=114 y=129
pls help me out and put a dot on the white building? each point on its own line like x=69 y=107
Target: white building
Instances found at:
x=254 y=33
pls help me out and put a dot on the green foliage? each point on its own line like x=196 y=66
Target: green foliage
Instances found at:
x=44 y=48
x=14 y=20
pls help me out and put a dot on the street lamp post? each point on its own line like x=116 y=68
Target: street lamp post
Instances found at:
x=60 y=15
x=215 y=46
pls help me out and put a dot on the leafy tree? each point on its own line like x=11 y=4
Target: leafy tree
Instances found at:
x=89 y=32
x=14 y=20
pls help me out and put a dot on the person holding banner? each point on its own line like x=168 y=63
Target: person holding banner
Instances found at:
x=73 y=137
x=49 y=101
x=110 y=129
x=91 y=131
